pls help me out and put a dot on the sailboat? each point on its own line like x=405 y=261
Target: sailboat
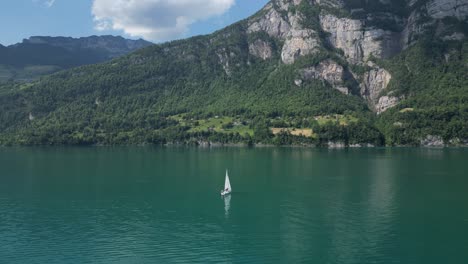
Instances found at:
x=227 y=186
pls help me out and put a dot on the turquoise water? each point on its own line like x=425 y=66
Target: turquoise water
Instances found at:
x=289 y=205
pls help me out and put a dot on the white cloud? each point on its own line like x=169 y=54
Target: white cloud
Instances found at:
x=155 y=20
x=47 y=3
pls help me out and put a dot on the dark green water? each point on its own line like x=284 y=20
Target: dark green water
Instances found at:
x=150 y=205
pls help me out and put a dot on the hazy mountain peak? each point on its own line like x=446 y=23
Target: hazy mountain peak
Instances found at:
x=40 y=55
x=115 y=45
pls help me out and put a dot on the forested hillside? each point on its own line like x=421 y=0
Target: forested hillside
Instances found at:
x=297 y=72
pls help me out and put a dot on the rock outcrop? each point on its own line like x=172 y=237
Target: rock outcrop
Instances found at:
x=261 y=49
x=358 y=42
x=374 y=82
x=424 y=17
x=299 y=43
x=331 y=3
x=386 y=102
x=329 y=71
x=432 y=141
x=439 y=9
x=272 y=23
x=336 y=145
x=224 y=57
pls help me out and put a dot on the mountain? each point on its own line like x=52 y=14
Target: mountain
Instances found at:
x=328 y=72
x=38 y=56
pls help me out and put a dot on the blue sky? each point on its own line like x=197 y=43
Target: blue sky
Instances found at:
x=154 y=20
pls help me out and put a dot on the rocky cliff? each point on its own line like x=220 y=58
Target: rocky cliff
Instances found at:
x=356 y=33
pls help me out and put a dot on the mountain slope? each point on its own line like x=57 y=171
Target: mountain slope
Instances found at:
x=335 y=71
x=38 y=56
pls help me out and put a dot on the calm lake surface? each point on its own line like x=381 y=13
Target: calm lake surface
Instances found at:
x=289 y=205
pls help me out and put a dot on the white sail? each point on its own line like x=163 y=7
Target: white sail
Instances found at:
x=227 y=183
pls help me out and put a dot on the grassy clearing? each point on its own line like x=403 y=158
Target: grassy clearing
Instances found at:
x=216 y=124
x=343 y=120
x=406 y=110
x=235 y=125
x=306 y=132
x=25 y=86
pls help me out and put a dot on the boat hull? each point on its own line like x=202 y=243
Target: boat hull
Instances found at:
x=224 y=193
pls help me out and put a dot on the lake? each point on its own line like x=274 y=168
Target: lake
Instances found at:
x=289 y=205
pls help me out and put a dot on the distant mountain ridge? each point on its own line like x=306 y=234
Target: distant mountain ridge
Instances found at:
x=40 y=55
x=115 y=45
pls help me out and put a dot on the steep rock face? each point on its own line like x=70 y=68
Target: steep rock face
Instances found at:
x=331 y=3
x=224 y=58
x=412 y=29
x=271 y=22
x=261 y=49
x=329 y=71
x=439 y=9
x=431 y=13
x=386 y=102
x=374 y=82
x=299 y=43
x=358 y=42
x=285 y=4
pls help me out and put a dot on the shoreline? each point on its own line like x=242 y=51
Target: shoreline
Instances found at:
x=239 y=145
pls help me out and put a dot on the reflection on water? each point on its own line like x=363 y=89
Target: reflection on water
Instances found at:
x=227 y=204
x=363 y=212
